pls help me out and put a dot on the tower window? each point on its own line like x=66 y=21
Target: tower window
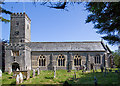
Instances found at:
x=17 y=23
x=27 y=26
x=15 y=53
x=17 y=33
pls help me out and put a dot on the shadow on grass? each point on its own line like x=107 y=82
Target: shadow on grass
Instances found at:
x=49 y=77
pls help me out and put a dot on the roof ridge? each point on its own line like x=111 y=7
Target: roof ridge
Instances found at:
x=70 y=42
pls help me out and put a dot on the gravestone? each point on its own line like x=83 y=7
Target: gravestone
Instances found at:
x=69 y=68
x=33 y=72
x=116 y=71
x=110 y=70
x=28 y=74
x=17 y=69
x=38 y=71
x=0 y=73
x=9 y=70
x=54 y=69
x=74 y=74
x=102 y=68
x=21 y=77
x=17 y=79
x=95 y=81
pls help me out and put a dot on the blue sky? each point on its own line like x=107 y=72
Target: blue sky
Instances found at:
x=52 y=25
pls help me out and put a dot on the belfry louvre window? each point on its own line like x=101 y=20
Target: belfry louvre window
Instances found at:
x=15 y=53
x=97 y=59
x=77 y=60
x=61 y=60
x=42 y=60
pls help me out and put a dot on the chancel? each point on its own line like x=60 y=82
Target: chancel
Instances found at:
x=23 y=54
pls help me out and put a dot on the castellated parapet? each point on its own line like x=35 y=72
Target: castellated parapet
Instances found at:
x=20 y=15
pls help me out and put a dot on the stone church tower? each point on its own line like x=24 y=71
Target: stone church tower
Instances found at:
x=18 y=55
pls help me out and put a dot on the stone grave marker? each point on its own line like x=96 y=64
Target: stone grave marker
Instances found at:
x=33 y=72
x=9 y=70
x=17 y=69
x=28 y=74
x=75 y=74
x=21 y=77
x=38 y=71
x=54 y=69
x=17 y=79
x=116 y=71
x=95 y=81
x=0 y=73
x=102 y=68
x=110 y=70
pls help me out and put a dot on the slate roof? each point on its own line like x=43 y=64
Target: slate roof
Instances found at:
x=67 y=46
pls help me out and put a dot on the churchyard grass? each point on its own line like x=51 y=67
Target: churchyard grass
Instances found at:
x=47 y=77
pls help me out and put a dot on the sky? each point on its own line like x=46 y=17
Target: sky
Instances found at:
x=53 y=25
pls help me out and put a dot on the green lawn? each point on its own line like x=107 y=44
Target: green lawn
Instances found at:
x=46 y=77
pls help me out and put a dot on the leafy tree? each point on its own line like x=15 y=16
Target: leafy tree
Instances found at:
x=106 y=19
x=2 y=10
x=117 y=58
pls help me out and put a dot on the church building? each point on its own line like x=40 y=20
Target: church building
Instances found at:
x=23 y=54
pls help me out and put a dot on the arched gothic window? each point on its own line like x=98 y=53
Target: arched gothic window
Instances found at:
x=42 y=60
x=61 y=60
x=77 y=60
x=97 y=59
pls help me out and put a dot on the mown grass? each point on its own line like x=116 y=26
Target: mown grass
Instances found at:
x=46 y=77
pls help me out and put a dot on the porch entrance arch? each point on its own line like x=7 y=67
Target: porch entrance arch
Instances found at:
x=15 y=66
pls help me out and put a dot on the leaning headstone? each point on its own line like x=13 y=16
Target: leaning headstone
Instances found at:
x=21 y=77
x=54 y=69
x=17 y=69
x=33 y=72
x=9 y=70
x=38 y=71
x=0 y=73
x=17 y=79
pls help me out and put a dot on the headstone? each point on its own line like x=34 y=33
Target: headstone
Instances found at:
x=28 y=74
x=17 y=79
x=0 y=73
x=21 y=77
x=17 y=69
x=110 y=70
x=69 y=68
x=102 y=68
x=95 y=81
x=38 y=71
x=75 y=74
x=116 y=71
x=33 y=72
x=84 y=67
x=9 y=70
x=54 y=69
